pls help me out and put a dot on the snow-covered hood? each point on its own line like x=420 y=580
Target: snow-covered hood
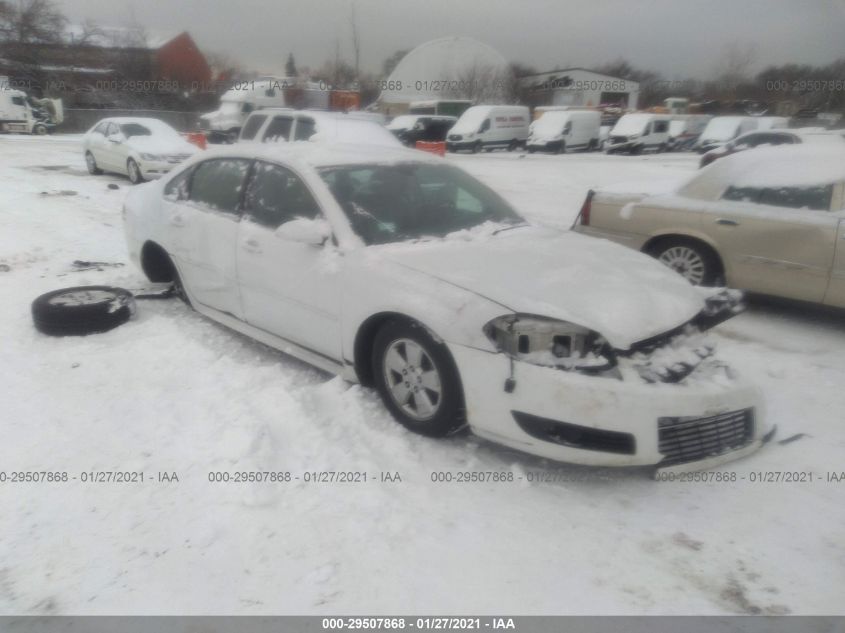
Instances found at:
x=161 y=146
x=622 y=294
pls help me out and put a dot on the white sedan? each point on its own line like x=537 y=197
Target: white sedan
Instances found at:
x=397 y=270
x=140 y=148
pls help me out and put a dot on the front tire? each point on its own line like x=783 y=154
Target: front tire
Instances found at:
x=476 y=147
x=692 y=260
x=135 y=176
x=91 y=163
x=417 y=379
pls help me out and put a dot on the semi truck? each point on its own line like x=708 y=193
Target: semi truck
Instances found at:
x=22 y=114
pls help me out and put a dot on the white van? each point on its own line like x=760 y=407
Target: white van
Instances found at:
x=566 y=130
x=488 y=127
x=723 y=129
x=684 y=130
x=638 y=132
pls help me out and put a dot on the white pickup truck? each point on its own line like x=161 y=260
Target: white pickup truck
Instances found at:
x=22 y=114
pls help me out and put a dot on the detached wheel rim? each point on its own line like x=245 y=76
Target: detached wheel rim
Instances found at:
x=412 y=379
x=685 y=261
x=81 y=298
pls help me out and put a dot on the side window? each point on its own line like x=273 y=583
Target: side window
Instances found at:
x=18 y=101
x=101 y=128
x=742 y=194
x=279 y=129
x=661 y=127
x=814 y=198
x=567 y=128
x=112 y=129
x=647 y=130
x=252 y=126
x=305 y=129
x=218 y=183
x=276 y=195
x=177 y=188
x=247 y=108
x=484 y=126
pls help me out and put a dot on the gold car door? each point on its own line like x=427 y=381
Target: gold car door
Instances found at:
x=772 y=248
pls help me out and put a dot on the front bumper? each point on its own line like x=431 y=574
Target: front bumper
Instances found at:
x=544 y=146
x=617 y=420
x=152 y=169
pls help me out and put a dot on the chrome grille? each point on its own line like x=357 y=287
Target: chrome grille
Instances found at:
x=688 y=439
x=615 y=140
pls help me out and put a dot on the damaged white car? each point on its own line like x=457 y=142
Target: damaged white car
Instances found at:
x=398 y=270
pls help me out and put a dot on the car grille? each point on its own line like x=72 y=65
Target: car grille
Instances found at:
x=618 y=139
x=454 y=137
x=683 y=440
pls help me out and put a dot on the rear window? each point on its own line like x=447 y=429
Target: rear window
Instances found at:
x=305 y=129
x=252 y=126
x=815 y=198
x=279 y=129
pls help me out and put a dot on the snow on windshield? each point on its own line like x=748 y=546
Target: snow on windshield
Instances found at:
x=551 y=123
x=630 y=124
x=404 y=122
x=407 y=201
x=721 y=129
x=471 y=120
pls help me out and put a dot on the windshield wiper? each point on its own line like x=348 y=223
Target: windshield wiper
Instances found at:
x=511 y=226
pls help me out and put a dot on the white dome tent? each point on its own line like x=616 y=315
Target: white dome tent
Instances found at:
x=447 y=68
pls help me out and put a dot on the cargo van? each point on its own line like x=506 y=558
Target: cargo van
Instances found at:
x=639 y=131
x=565 y=130
x=684 y=130
x=488 y=127
x=723 y=129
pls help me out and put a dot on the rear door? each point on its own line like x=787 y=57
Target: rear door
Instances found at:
x=204 y=227
x=288 y=288
x=777 y=241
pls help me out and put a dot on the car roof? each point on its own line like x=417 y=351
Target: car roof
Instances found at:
x=777 y=166
x=319 y=155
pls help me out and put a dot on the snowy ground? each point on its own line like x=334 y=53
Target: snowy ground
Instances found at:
x=173 y=392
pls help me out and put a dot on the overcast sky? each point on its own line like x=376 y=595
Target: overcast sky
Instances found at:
x=678 y=38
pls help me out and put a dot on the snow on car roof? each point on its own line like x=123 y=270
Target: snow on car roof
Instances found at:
x=778 y=166
x=326 y=154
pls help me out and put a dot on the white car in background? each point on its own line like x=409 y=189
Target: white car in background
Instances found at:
x=399 y=270
x=280 y=125
x=141 y=148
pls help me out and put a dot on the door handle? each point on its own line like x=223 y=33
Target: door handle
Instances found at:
x=725 y=222
x=252 y=246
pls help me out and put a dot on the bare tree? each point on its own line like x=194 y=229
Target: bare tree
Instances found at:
x=734 y=67
x=356 y=43
x=31 y=21
x=90 y=33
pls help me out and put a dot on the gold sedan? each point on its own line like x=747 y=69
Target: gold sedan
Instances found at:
x=769 y=220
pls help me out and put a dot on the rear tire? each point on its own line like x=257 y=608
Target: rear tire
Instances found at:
x=40 y=129
x=417 y=379
x=513 y=145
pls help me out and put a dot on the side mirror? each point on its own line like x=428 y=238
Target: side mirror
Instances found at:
x=305 y=231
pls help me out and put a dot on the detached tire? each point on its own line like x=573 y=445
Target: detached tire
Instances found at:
x=82 y=310
x=417 y=379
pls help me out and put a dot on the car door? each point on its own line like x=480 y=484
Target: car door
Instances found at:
x=278 y=129
x=777 y=241
x=203 y=230
x=95 y=143
x=108 y=156
x=288 y=288
x=835 y=294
